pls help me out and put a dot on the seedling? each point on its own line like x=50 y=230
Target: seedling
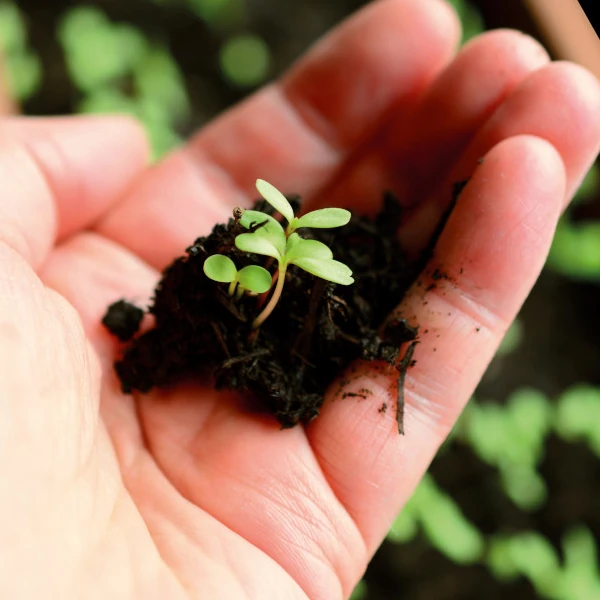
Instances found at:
x=269 y=238
x=251 y=279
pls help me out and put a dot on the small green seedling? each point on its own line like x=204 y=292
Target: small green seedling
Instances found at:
x=269 y=238
x=252 y=279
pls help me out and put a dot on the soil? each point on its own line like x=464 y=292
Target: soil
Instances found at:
x=317 y=329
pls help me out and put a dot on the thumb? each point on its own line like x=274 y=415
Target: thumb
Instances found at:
x=57 y=175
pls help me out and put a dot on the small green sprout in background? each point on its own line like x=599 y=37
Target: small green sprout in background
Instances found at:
x=245 y=60
x=578 y=414
x=252 y=279
x=442 y=522
x=575 y=250
x=117 y=68
x=511 y=438
x=268 y=238
x=222 y=16
x=22 y=66
x=529 y=554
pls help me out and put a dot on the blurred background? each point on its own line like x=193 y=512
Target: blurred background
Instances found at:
x=511 y=505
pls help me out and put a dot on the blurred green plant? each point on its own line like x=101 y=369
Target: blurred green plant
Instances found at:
x=575 y=250
x=22 y=67
x=118 y=70
x=511 y=437
x=245 y=60
x=530 y=555
x=441 y=520
x=577 y=416
x=220 y=15
x=470 y=18
x=99 y=52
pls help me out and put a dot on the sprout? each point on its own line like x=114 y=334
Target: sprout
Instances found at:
x=323 y=218
x=252 y=279
x=266 y=236
x=269 y=238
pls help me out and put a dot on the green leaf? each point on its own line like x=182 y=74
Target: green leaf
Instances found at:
x=324 y=218
x=272 y=230
x=252 y=218
x=302 y=248
x=292 y=241
x=275 y=198
x=255 y=278
x=220 y=268
x=258 y=244
x=275 y=235
x=331 y=270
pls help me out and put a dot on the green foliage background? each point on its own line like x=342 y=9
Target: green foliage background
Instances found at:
x=118 y=65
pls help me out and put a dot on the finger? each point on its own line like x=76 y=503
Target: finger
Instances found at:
x=559 y=103
x=416 y=150
x=490 y=253
x=296 y=133
x=59 y=175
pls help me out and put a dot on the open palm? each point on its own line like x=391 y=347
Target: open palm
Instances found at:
x=182 y=493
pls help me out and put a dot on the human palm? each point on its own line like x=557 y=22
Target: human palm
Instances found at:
x=182 y=493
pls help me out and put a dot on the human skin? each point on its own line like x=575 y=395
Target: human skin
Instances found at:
x=182 y=493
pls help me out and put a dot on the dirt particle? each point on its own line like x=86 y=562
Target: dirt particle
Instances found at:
x=123 y=319
x=354 y=395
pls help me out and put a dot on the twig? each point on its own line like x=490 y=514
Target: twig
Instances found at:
x=402 y=367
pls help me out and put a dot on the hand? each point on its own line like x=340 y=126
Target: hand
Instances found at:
x=182 y=494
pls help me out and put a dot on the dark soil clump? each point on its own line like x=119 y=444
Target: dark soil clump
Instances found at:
x=123 y=319
x=316 y=330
